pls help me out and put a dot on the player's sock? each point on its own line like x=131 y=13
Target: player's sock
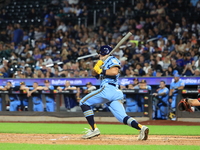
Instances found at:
x=89 y=115
x=132 y=122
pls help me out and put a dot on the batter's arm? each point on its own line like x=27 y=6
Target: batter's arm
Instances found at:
x=180 y=88
x=113 y=71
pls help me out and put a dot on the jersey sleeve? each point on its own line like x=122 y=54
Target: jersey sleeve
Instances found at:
x=166 y=91
x=182 y=83
x=30 y=88
x=51 y=87
x=111 y=62
x=115 y=63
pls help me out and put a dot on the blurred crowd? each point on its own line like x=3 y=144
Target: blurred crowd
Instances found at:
x=158 y=47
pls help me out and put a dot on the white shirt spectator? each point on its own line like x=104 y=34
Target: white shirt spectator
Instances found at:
x=146 y=69
x=73 y=2
x=62 y=27
x=119 y=53
x=48 y=60
x=19 y=49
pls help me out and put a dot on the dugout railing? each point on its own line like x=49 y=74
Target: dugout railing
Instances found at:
x=147 y=105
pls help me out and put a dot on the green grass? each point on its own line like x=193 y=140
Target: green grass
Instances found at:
x=8 y=146
x=51 y=128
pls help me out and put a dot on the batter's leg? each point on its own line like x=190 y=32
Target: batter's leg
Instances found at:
x=117 y=108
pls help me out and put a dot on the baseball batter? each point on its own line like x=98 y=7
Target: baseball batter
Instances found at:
x=109 y=94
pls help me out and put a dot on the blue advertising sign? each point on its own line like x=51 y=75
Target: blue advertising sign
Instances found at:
x=83 y=81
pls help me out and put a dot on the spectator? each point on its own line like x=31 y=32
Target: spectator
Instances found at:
x=139 y=67
x=17 y=34
x=197 y=72
x=146 y=66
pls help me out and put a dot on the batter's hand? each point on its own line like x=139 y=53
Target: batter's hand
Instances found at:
x=99 y=63
x=97 y=67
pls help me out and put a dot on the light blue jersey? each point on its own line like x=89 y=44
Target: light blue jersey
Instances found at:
x=160 y=107
x=148 y=87
x=166 y=96
x=108 y=94
x=110 y=62
x=50 y=100
x=176 y=85
x=37 y=101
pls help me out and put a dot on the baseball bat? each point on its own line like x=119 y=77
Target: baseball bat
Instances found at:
x=119 y=44
x=86 y=56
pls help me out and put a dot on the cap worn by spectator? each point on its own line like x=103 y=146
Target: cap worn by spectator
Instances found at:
x=159 y=36
x=188 y=54
x=136 y=79
x=143 y=81
x=46 y=81
x=175 y=72
x=145 y=49
x=22 y=83
x=177 y=24
x=159 y=55
x=88 y=83
x=159 y=71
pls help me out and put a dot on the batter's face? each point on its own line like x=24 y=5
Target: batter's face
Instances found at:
x=101 y=57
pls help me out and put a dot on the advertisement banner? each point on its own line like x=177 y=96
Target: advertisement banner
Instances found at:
x=94 y=81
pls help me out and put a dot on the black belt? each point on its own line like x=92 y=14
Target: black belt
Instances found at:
x=12 y=100
x=112 y=84
x=130 y=105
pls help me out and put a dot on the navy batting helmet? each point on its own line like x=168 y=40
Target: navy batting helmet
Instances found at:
x=105 y=50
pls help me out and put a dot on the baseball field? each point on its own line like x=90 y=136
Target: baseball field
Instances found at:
x=164 y=135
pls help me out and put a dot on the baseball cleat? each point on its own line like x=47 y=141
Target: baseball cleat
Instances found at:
x=91 y=133
x=143 y=133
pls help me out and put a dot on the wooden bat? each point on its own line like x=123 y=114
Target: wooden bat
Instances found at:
x=119 y=44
